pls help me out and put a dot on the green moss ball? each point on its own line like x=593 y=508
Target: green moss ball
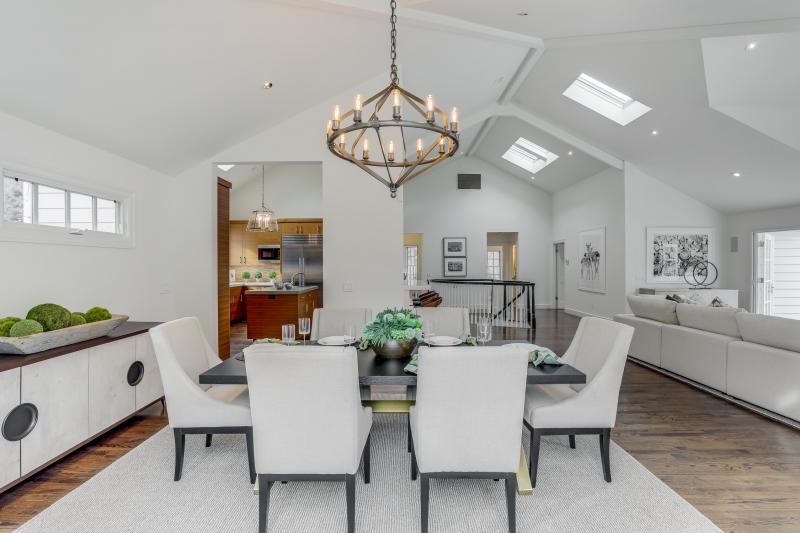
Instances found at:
x=77 y=319
x=6 y=323
x=96 y=314
x=25 y=327
x=50 y=316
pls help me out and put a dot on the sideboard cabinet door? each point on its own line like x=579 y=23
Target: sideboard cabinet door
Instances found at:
x=9 y=449
x=111 y=398
x=149 y=388
x=59 y=389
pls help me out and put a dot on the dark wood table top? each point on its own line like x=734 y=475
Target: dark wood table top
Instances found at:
x=374 y=370
x=124 y=330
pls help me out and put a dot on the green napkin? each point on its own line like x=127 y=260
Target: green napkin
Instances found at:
x=544 y=356
x=276 y=341
x=411 y=367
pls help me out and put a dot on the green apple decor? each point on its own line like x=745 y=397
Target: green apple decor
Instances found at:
x=6 y=323
x=50 y=316
x=77 y=319
x=393 y=334
x=96 y=314
x=24 y=328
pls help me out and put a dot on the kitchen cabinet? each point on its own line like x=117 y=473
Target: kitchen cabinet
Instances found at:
x=236 y=239
x=111 y=397
x=238 y=310
x=244 y=244
x=295 y=226
x=59 y=388
x=9 y=449
x=149 y=389
x=268 y=310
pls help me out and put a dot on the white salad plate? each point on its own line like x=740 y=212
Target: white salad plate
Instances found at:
x=336 y=340
x=443 y=340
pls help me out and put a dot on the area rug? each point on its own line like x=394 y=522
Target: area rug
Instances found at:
x=136 y=494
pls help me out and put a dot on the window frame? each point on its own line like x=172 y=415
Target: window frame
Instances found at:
x=32 y=232
x=499 y=251
x=406 y=248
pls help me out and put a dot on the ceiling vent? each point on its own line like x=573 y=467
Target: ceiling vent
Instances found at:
x=469 y=181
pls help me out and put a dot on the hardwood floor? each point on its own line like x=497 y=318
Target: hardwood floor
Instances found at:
x=738 y=468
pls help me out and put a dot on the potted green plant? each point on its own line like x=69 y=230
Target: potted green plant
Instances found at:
x=259 y=275
x=393 y=334
x=245 y=275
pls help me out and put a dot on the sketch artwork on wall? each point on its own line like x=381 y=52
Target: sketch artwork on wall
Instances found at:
x=671 y=252
x=454 y=246
x=592 y=255
x=455 y=267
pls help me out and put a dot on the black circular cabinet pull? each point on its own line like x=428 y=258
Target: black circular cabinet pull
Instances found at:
x=20 y=421
x=135 y=373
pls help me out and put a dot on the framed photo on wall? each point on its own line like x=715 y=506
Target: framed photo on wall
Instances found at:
x=592 y=260
x=454 y=247
x=671 y=251
x=455 y=267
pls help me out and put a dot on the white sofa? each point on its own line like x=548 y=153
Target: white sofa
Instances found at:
x=751 y=357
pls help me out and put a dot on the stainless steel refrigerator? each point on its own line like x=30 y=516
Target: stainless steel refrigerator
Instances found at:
x=301 y=258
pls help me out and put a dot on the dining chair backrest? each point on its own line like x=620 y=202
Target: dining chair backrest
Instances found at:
x=330 y=321
x=451 y=321
x=304 y=402
x=469 y=408
x=597 y=343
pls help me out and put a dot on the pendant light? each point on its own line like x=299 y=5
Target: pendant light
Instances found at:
x=262 y=219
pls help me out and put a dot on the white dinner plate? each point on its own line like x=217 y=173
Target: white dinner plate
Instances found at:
x=443 y=340
x=336 y=340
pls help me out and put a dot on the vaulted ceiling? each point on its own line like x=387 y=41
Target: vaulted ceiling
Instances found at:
x=171 y=83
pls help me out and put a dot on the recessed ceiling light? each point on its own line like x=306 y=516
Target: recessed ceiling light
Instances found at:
x=268 y=85
x=605 y=100
x=737 y=174
x=529 y=156
x=569 y=153
x=225 y=168
x=522 y=14
x=654 y=132
x=751 y=46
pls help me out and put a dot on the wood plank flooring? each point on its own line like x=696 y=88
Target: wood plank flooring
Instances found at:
x=738 y=468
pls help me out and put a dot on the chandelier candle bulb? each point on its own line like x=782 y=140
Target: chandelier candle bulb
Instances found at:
x=390 y=153
x=342 y=142
x=365 y=150
x=441 y=145
x=357 y=109
x=419 y=148
x=335 y=121
x=454 y=120
x=396 y=105
x=429 y=112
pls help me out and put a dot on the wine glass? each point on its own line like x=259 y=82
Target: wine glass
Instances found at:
x=349 y=333
x=287 y=333
x=484 y=330
x=428 y=330
x=304 y=324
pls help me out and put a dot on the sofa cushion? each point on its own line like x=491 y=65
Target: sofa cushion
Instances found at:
x=770 y=330
x=653 y=307
x=696 y=354
x=720 y=320
x=646 y=342
x=764 y=376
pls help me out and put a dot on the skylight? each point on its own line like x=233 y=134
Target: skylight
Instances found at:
x=605 y=100
x=225 y=168
x=529 y=156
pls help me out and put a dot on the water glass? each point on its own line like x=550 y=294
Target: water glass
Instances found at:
x=484 y=330
x=428 y=329
x=349 y=333
x=287 y=333
x=304 y=327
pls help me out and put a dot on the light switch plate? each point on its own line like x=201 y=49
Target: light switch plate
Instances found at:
x=347 y=286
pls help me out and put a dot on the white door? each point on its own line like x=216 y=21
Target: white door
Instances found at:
x=560 y=275
x=765 y=273
x=494 y=262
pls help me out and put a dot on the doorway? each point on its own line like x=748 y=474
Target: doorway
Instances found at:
x=776 y=273
x=502 y=251
x=560 y=269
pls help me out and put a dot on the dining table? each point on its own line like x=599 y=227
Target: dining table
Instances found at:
x=375 y=370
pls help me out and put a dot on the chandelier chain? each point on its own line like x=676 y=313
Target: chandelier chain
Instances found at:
x=393 y=34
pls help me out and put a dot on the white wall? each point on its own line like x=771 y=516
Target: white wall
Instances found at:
x=292 y=191
x=435 y=207
x=363 y=225
x=591 y=203
x=650 y=202
x=133 y=281
x=743 y=225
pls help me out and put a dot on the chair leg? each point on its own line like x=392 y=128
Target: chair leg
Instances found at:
x=263 y=504
x=180 y=445
x=424 y=499
x=413 y=463
x=572 y=441
x=605 y=449
x=511 y=502
x=251 y=460
x=350 y=486
x=536 y=439
x=208 y=440
x=366 y=459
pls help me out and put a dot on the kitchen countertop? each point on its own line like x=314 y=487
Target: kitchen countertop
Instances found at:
x=251 y=284
x=272 y=290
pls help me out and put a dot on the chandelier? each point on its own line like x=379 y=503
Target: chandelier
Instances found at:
x=262 y=219
x=436 y=138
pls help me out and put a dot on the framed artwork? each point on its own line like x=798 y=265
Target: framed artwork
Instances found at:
x=672 y=251
x=455 y=267
x=454 y=247
x=592 y=251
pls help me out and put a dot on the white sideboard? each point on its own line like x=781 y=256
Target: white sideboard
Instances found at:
x=69 y=398
x=728 y=296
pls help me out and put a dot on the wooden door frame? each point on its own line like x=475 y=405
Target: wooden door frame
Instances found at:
x=223 y=266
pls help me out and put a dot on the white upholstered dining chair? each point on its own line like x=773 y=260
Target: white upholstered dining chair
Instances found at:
x=450 y=321
x=329 y=321
x=465 y=423
x=308 y=421
x=183 y=353
x=599 y=350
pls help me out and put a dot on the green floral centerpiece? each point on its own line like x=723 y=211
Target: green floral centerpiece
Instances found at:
x=393 y=334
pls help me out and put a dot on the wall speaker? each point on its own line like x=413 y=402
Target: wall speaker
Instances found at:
x=469 y=181
x=734 y=244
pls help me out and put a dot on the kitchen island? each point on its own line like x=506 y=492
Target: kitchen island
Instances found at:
x=269 y=308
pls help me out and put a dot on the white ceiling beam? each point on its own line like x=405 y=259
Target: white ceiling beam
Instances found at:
x=485 y=127
x=672 y=34
x=523 y=71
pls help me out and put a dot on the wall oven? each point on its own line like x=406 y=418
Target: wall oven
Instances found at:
x=269 y=252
